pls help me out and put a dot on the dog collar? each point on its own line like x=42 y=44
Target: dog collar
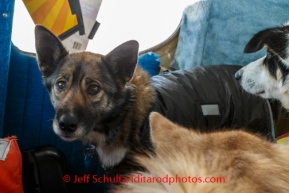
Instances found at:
x=90 y=156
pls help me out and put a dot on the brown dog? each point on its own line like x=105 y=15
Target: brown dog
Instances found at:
x=91 y=95
x=220 y=162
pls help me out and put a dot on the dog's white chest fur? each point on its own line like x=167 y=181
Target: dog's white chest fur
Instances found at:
x=111 y=158
x=108 y=155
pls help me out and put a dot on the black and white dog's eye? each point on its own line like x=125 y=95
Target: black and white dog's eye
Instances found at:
x=93 y=89
x=61 y=85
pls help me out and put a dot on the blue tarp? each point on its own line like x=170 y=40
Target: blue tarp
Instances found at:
x=216 y=31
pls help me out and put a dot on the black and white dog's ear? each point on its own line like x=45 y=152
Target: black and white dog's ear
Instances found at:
x=49 y=50
x=270 y=37
x=123 y=60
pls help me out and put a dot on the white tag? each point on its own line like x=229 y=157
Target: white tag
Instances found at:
x=212 y=109
x=4 y=148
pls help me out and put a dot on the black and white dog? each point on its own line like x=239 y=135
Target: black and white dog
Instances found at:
x=268 y=76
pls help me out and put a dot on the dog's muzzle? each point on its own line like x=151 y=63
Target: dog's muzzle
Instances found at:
x=238 y=74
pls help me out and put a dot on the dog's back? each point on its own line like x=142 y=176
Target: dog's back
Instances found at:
x=209 y=98
x=221 y=162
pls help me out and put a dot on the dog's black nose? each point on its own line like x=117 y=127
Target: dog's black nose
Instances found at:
x=238 y=74
x=67 y=123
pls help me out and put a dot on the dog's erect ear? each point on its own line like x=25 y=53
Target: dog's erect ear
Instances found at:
x=123 y=60
x=49 y=50
x=269 y=37
x=161 y=128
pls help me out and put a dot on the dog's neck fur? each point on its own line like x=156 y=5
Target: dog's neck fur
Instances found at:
x=110 y=154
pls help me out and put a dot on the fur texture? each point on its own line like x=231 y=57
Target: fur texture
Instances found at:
x=245 y=162
x=268 y=76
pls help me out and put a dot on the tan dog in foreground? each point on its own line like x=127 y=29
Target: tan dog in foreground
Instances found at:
x=220 y=162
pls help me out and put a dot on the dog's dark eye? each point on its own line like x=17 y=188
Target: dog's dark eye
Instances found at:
x=61 y=85
x=93 y=89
